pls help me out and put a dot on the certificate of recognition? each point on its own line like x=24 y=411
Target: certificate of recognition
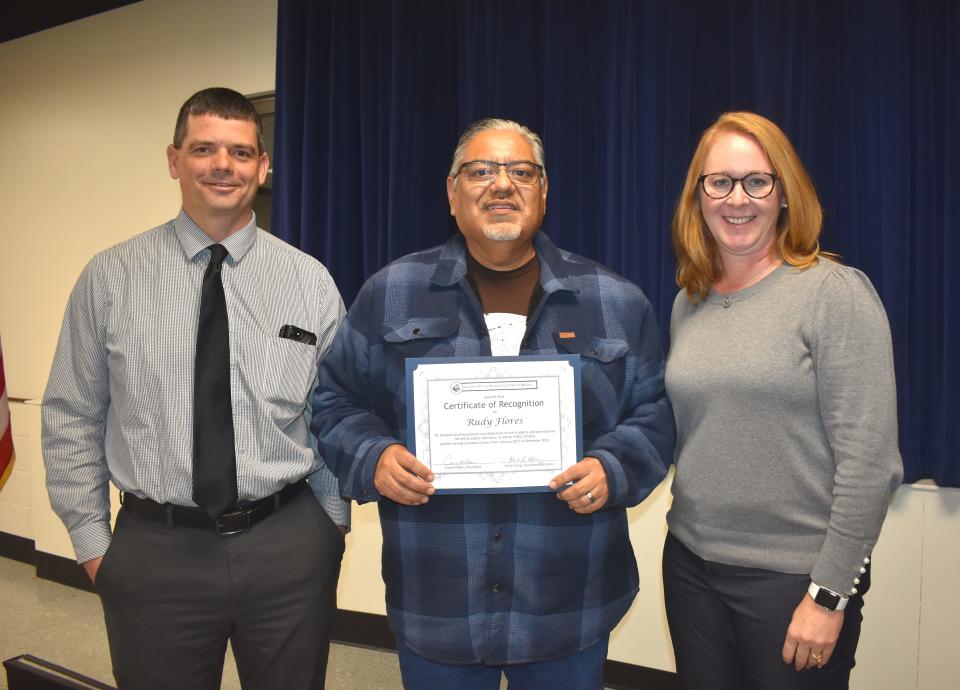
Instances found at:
x=494 y=424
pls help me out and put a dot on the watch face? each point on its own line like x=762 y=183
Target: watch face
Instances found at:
x=827 y=599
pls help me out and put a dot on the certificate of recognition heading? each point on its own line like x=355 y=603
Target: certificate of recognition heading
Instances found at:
x=494 y=424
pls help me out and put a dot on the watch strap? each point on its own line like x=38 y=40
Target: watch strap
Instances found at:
x=827 y=598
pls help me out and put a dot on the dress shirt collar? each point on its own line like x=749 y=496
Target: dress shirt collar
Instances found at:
x=194 y=240
x=554 y=277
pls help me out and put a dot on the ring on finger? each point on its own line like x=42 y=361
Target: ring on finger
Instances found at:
x=591 y=497
x=817 y=656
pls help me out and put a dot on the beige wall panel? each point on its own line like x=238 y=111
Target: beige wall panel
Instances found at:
x=17 y=490
x=22 y=420
x=16 y=499
x=887 y=655
x=642 y=637
x=87 y=112
x=361 y=584
x=15 y=519
x=941 y=604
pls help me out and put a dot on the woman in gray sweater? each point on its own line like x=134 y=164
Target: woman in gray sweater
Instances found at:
x=781 y=377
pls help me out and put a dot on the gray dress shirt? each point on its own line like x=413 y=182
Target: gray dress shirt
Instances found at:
x=119 y=401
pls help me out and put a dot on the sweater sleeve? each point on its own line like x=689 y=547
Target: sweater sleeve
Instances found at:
x=853 y=359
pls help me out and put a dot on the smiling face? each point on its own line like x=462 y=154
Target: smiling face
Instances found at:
x=498 y=211
x=741 y=225
x=219 y=168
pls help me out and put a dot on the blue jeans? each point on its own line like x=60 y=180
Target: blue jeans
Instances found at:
x=580 y=671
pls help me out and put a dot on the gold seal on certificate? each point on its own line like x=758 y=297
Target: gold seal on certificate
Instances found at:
x=494 y=424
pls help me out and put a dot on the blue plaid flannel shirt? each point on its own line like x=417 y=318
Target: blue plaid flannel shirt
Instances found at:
x=506 y=578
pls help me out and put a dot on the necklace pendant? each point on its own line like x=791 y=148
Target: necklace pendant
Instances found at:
x=727 y=301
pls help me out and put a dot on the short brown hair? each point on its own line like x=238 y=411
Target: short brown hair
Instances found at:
x=221 y=102
x=798 y=228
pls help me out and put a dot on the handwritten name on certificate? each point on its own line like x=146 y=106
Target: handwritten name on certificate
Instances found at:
x=494 y=424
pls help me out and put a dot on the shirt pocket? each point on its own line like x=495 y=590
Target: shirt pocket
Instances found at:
x=421 y=337
x=287 y=371
x=603 y=366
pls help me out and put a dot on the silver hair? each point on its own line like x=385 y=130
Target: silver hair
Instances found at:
x=496 y=124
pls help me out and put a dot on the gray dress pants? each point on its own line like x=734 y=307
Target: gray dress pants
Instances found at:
x=173 y=596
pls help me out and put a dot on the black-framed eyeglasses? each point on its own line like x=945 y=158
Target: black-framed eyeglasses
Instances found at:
x=756 y=184
x=523 y=173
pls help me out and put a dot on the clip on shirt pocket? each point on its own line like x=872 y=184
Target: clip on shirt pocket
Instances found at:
x=286 y=371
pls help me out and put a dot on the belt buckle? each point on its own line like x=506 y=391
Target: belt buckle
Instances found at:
x=225 y=530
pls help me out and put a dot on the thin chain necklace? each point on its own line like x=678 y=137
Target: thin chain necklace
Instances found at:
x=752 y=280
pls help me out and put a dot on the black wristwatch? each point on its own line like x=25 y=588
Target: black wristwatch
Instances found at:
x=827 y=598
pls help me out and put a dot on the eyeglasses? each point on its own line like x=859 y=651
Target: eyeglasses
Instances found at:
x=756 y=184
x=523 y=173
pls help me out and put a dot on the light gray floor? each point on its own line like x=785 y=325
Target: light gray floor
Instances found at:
x=65 y=626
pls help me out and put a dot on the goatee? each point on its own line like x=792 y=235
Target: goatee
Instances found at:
x=501 y=232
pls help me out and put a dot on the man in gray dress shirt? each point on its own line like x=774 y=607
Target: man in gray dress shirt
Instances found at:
x=177 y=581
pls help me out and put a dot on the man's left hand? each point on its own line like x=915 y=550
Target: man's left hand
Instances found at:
x=589 y=491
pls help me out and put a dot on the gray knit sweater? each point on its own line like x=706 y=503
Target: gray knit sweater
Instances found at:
x=785 y=402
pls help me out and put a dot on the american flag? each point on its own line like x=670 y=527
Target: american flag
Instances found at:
x=6 y=436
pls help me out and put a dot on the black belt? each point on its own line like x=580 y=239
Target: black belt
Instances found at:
x=234 y=522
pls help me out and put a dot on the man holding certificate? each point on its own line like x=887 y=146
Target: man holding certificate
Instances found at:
x=503 y=561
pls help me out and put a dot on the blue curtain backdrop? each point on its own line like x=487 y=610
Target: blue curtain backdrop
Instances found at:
x=371 y=96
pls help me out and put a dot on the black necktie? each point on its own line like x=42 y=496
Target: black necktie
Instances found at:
x=214 y=458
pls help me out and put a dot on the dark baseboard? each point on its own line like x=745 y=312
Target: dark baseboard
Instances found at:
x=621 y=676
x=350 y=627
x=65 y=571
x=17 y=548
x=363 y=630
